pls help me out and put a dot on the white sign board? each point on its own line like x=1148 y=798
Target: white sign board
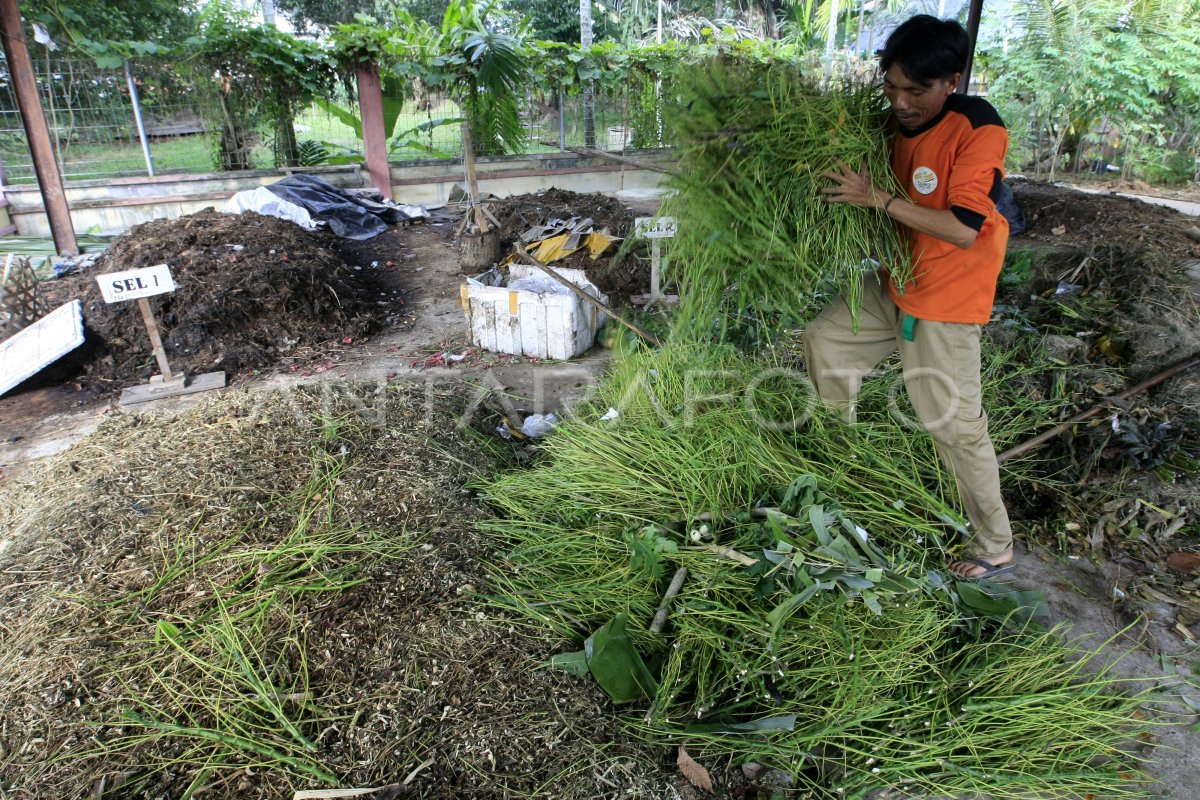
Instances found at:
x=32 y=349
x=131 y=284
x=655 y=227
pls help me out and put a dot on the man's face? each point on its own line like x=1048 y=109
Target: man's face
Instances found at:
x=913 y=103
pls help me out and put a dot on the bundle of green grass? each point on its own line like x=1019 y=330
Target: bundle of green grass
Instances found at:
x=813 y=633
x=754 y=232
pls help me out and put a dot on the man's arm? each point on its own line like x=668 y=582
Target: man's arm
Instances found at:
x=857 y=188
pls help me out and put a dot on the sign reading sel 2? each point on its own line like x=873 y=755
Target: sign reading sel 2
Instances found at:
x=134 y=283
x=655 y=227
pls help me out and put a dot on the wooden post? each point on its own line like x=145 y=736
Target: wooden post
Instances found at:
x=370 y=106
x=155 y=339
x=36 y=130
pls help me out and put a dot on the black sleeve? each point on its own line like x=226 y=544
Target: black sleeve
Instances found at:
x=972 y=219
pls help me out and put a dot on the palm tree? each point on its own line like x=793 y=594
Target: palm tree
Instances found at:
x=483 y=69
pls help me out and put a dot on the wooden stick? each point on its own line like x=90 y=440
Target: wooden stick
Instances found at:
x=1046 y=436
x=527 y=258
x=155 y=339
x=660 y=618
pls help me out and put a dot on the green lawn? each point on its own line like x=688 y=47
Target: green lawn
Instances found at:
x=421 y=137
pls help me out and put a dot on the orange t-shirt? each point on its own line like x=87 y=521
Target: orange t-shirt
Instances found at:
x=956 y=162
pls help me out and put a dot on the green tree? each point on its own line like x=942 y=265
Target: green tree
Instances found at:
x=1081 y=67
x=76 y=22
x=258 y=76
x=551 y=20
x=308 y=15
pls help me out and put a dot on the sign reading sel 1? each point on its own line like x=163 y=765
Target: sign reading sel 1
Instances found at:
x=136 y=283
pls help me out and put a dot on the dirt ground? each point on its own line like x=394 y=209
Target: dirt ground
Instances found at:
x=1114 y=585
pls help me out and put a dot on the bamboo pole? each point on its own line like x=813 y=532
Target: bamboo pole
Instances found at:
x=527 y=258
x=1149 y=383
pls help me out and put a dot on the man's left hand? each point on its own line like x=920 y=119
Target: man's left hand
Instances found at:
x=854 y=187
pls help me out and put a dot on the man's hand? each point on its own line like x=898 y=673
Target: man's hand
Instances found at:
x=853 y=187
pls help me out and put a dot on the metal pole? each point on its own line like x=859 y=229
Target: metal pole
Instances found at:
x=973 y=31
x=36 y=131
x=137 y=115
x=562 y=122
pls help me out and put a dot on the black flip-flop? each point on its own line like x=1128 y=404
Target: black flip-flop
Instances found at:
x=990 y=570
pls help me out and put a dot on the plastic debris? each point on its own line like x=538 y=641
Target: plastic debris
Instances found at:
x=69 y=264
x=534 y=426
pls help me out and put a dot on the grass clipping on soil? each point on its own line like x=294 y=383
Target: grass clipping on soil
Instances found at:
x=817 y=637
x=271 y=592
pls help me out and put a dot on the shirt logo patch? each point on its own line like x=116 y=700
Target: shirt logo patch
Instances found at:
x=925 y=180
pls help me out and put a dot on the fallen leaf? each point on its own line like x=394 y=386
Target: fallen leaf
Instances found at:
x=1184 y=562
x=696 y=774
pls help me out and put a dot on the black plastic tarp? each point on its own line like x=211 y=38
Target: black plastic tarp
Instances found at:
x=347 y=215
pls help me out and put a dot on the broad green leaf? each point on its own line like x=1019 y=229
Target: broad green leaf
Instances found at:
x=574 y=663
x=616 y=664
x=784 y=722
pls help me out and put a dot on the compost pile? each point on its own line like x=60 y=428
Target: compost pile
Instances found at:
x=275 y=591
x=619 y=273
x=249 y=290
x=1081 y=220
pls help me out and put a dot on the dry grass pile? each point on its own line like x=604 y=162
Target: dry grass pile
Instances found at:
x=272 y=592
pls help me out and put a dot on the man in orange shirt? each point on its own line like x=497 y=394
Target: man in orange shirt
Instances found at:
x=948 y=154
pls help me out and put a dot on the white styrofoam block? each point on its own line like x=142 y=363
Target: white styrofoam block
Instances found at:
x=37 y=346
x=538 y=324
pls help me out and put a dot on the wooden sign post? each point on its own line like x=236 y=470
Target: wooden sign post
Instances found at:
x=138 y=284
x=655 y=229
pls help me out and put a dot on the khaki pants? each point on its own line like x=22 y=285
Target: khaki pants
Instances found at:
x=941 y=375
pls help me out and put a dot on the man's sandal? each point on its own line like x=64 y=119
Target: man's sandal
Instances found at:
x=990 y=570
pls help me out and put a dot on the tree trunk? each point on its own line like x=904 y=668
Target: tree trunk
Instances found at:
x=287 y=153
x=831 y=33
x=770 y=21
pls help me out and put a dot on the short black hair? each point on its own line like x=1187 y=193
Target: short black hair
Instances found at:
x=927 y=49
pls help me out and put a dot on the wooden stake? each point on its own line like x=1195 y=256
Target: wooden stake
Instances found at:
x=660 y=618
x=155 y=340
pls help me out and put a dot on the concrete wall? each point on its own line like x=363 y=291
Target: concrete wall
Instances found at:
x=117 y=204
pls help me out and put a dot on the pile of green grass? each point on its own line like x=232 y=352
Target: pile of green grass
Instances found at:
x=814 y=632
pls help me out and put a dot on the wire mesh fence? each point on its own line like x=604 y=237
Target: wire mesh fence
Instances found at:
x=92 y=123
x=93 y=118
